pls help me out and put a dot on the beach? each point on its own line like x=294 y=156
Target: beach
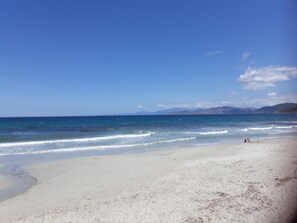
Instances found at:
x=4 y=181
x=243 y=182
x=148 y=111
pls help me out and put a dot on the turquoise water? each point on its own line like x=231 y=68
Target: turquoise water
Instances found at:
x=34 y=138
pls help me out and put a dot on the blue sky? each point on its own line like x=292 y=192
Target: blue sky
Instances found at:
x=105 y=57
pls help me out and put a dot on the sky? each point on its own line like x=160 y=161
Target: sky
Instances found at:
x=98 y=57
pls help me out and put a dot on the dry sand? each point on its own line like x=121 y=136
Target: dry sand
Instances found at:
x=254 y=182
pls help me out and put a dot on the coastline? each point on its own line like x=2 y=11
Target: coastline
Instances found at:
x=240 y=182
x=14 y=181
x=5 y=182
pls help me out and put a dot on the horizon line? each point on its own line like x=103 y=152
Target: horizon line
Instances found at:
x=136 y=113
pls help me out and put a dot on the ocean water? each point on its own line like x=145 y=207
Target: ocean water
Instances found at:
x=56 y=137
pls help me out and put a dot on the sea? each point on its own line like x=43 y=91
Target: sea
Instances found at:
x=44 y=138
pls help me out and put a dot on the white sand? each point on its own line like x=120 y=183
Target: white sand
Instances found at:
x=254 y=182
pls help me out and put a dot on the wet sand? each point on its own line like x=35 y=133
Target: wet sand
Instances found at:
x=14 y=181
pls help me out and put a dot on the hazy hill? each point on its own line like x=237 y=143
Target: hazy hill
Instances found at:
x=286 y=108
x=278 y=109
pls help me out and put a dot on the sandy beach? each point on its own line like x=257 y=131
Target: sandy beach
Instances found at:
x=245 y=182
x=4 y=181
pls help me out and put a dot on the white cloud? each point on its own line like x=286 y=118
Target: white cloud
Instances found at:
x=263 y=77
x=139 y=106
x=245 y=56
x=186 y=105
x=265 y=101
x=226 y=102
x=272 y=94
x=213 y=53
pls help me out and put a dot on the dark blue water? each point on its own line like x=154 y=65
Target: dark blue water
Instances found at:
x=32 y=137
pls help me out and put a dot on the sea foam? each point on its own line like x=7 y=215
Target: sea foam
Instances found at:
x=105 y=147
x=13 y=144
x=213 y=132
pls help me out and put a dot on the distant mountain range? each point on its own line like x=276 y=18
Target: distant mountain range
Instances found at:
x=286 y=108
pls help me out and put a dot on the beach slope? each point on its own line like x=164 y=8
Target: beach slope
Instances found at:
x=246 y=182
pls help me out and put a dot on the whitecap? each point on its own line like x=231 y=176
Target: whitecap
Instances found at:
x=213 y=132
x=260 y=128
x=284 y=127
x=12 y=144
x=77 y=149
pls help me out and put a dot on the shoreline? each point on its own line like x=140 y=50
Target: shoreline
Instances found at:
x=199 y=180
x=14 y=181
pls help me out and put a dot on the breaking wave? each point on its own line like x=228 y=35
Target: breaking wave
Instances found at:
x=12 y=144
x=105 y=147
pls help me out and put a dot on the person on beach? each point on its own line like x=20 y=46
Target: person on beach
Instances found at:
x=247 y=140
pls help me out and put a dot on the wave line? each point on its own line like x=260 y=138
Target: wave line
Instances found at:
x=76 y=149
x=11 y=144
